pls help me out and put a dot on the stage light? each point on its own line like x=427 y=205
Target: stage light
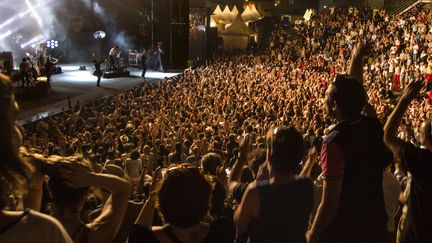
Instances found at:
x=52 y=44
x=99 y=34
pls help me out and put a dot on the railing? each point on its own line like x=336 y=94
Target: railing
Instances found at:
x=403 y=6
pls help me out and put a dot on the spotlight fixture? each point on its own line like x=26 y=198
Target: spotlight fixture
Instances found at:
x=52 y=44
x=99 y=34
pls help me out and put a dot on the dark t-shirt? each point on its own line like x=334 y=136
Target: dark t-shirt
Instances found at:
x=354 y=151
x=419 y=216
x=284 y=212
x=239 y=191
x=143 y=60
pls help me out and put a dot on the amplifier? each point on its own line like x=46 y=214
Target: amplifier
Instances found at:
x=6 y=61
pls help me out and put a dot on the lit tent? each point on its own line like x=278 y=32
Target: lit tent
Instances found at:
x=234 y=13
x=237 y=35
x=226 y=15
x=217 y=13
x=255 y=12
x=247 y=14
x=307 y=15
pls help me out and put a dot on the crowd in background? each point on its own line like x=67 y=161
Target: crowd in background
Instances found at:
x=185 y=154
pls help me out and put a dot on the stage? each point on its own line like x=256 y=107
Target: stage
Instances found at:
x=80 y=86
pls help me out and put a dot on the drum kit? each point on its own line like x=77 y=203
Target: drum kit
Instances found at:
x=34 y=81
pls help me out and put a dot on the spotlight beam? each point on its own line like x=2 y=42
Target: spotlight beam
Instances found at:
x=35 y=14
x=35 y=39
x=8 y=33
x=22 y=14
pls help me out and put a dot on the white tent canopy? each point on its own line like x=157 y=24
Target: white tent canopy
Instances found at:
x=234 y=13
x=255 y=12
x=307 y=15
x=217 y=11
x=247 y=14
x=226 y=15
x=237 y=35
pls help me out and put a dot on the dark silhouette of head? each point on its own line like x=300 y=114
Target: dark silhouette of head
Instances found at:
x=349 y=96
x=285 y=149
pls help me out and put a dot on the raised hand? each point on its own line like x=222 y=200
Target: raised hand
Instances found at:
x=412 y=91
x=363 y=48
x=245 y=148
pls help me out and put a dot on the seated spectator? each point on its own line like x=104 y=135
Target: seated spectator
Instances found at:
x=278 y=211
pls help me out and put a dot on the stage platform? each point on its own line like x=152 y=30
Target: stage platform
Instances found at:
x=80 y=86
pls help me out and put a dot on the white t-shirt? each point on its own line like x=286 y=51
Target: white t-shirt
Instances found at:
x=36 y=227
x=391 y=189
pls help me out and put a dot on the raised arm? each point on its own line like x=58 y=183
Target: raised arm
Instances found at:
x=310 y=162
x=104 y=227
x=147 y=212
x=391 y=127
x=235 y=176
x=357 y=56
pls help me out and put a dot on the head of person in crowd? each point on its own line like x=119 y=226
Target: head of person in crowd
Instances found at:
x=210 y=163
x=425 y=134
x=65 y=198
x=345 y=98
x=285 y=150
x=259 y=157
x=14 y=172
x=135 y=155
x=183 y=196
x=111 y=169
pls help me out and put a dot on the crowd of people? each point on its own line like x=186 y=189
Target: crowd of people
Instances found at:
x=282 y=146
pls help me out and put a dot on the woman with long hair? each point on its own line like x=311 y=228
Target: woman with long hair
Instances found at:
x=70 y=183
x=183 y=200
x=15 y=176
